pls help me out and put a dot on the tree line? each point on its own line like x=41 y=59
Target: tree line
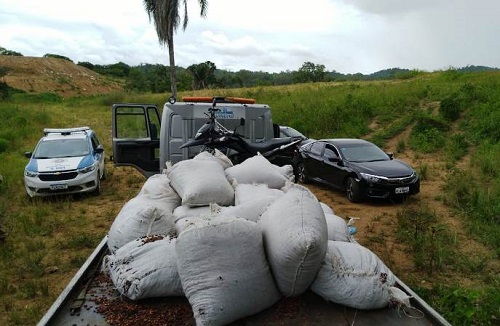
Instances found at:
x=205 y=75
x=154 y=77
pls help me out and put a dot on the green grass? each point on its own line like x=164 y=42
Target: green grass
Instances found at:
x=464 y=306
x=63 y=232
x=431 y=243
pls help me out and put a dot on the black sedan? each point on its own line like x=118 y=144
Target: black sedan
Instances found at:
x=358 y=167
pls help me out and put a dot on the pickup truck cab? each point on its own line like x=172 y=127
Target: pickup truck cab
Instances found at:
x=145 y=141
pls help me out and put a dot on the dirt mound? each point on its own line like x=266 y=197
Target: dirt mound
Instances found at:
x=63 y=77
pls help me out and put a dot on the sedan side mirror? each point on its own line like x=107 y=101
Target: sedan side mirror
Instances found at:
x=28 y=154
x=390 y=154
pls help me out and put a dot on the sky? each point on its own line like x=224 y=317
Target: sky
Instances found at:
x=347 y=36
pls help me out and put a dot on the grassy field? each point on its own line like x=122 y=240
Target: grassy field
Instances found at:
x=450 y=114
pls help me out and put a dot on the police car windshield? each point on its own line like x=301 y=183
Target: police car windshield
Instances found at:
x=55 y=148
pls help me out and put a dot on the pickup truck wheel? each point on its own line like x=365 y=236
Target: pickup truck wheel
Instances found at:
x=353 y=190
x=302 y=176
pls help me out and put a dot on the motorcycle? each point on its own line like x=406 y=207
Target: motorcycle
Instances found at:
x=213 y=135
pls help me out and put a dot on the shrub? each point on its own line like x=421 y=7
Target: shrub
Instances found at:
x=450 y=107
x=3 y=145
x=430 y=241
x=427 y=141
x=456 y=147
x=427 y=135
x=4 y=91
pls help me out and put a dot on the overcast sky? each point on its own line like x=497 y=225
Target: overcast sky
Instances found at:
x=347 y=36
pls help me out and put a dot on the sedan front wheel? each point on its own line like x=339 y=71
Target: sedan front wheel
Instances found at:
x=354 y=193
x=302 y=173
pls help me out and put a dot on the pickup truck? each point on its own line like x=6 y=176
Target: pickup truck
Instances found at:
x=91 y=299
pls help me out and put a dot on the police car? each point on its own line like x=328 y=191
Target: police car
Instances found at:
x=65 y=161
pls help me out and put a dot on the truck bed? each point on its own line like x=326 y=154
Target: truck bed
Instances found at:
x=90 y=299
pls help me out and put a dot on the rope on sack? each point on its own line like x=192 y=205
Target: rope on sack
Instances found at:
x=155 y=218
x=353 y=317
x=417 y=313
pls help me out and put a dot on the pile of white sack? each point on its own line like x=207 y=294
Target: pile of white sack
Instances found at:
x=235 y=239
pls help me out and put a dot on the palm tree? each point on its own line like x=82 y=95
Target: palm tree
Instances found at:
x=165 y=14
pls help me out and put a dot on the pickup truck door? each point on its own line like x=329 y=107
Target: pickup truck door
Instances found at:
x=135 y=129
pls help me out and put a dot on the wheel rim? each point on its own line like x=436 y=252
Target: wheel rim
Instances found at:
x=302 y=173
x=350 y=191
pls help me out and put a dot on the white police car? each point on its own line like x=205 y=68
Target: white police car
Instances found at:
x=65 y=161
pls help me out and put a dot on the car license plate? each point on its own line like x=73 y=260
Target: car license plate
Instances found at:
x=402 y=190
x=58 y=186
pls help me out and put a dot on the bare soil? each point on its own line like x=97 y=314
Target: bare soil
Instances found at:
x=63 y=77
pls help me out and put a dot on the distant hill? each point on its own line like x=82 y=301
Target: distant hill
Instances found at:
x=63 y=77
x=477 y=69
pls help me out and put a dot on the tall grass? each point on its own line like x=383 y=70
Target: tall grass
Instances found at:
x=62 y=232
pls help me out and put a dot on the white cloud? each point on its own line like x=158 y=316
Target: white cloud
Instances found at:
x=348 y=36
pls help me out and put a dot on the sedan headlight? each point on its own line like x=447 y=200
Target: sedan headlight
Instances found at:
x=30 y=174
x=372 y=178
x=87 y=169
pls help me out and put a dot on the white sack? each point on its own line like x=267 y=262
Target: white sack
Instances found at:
x=142 y=216
x=218 y=157
x=287 y=171
x=184 y=211
x=257 y=169
x=145 y=268
x=327 y=209
x=250 y=210
x=295 y=238
x=248 y=192
x=353 y=276
x=223 y=270
x=337 y=228
x=201 y=182
x=183 y=223
x=158 y=186
x=185 y=215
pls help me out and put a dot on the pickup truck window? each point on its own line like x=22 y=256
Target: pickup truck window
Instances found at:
x=176 y=126
x=131 y=123
x=259 y=128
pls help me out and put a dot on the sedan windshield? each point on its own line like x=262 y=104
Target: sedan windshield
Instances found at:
x=62 y=148
x=290 y=132
x=363 y=153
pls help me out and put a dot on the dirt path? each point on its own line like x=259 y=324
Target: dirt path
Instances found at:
x=376 y=220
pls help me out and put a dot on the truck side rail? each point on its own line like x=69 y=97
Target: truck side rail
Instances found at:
x=75 y=283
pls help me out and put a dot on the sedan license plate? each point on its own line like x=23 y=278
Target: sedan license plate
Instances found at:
x=58 y=186
x=402 y=190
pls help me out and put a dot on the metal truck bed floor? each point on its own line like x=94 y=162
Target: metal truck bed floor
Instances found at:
x=91 y=293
